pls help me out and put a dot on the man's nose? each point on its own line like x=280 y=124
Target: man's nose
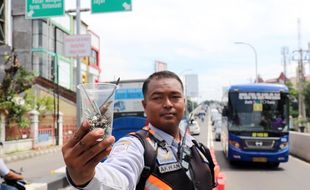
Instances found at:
x=167 y=103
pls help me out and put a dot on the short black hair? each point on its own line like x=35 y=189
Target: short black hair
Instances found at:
x=160 y=75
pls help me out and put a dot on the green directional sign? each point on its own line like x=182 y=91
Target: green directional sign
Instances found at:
x=44 y=8
x=103 y=6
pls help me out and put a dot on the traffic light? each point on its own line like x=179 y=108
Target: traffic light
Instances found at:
x=84 y=78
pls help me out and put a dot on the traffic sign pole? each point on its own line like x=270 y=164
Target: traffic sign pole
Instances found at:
x=78 y=67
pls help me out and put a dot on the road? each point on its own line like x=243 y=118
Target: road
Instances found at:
x=291 y=175
x=39 y=166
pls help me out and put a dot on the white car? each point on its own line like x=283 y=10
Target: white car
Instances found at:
x=217 y=130
x=183 y=125
x=194 y=128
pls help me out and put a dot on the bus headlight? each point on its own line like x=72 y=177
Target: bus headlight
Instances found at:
x=235 y=144
x=283 y=145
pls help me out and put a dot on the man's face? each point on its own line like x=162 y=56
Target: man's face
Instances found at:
x=164 y=104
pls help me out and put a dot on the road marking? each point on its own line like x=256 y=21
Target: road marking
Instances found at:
x=59 y=170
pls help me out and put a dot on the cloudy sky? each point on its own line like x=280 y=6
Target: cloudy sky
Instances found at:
x=197 y=37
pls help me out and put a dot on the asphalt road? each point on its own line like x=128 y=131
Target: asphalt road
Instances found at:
x=35 y=168
x=291 y=175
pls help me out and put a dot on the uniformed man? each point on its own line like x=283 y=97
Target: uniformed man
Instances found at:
x=158 y=157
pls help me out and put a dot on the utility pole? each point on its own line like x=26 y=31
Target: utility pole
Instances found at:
x=78 y=67
x=300 y=75
x=78 y=11
x=284 y=52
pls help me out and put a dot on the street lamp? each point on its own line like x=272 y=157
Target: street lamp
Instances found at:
x=255 y=54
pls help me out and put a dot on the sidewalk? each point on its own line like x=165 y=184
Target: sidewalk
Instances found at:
x=20 y=155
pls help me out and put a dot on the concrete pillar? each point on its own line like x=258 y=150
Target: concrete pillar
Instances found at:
x=34 y=124
x=2 y=127
x=2 y=132
x=60 y=129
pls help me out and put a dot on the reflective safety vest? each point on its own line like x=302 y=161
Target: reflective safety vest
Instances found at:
x=163 y=172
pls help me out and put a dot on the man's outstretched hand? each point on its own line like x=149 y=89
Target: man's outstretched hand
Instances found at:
x=84 y=151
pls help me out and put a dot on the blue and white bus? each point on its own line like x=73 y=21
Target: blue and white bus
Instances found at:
x=255 y=123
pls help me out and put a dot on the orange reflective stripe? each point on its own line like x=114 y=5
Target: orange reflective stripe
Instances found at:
x=147 y=128
x=153 y=183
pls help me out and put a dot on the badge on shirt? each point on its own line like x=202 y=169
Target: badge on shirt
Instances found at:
x=121 y=147
x=165 y=156
x=169 y=167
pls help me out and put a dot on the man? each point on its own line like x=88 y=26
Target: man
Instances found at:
x=8 y=175
x=176 y=163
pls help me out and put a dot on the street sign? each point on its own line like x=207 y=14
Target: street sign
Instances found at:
x=44 y=8
x=102 y=6
x=77 y=45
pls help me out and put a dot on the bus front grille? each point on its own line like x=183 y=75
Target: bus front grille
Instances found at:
x=259 y=144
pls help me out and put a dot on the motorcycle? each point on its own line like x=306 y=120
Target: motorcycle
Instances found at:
x=13 y=184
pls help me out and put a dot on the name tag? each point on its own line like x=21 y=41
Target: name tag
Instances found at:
x=165 y=156
x=169 y=167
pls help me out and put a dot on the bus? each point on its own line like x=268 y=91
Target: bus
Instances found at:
x=255 y=123
x=129 y=113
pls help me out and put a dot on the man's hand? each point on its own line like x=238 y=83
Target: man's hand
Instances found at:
x=84 y=151
x=12 y=175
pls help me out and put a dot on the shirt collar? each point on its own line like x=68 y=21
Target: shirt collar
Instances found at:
x=170 y=139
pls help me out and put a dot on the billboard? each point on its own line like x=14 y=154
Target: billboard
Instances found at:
x=128 y=97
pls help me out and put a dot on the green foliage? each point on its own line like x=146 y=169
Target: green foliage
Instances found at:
x=16 y=96
x=12 y=100
x=42 y=104
x=191 y=105
x=306 y=93
x=293 y=99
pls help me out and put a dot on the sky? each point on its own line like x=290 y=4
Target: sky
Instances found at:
x=197 y=37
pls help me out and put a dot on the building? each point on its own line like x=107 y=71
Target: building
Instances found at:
x=39 y=46
x=280 y=79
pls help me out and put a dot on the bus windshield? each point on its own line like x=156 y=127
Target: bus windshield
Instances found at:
x=257 y=111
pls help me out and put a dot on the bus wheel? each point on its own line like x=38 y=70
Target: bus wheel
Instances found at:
x=274 y=164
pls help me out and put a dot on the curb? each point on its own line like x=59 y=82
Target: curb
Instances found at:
x=58 y=181
x=28 y=154
x=219 y=176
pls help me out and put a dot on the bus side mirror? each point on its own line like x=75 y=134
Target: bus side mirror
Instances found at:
x=225 y=111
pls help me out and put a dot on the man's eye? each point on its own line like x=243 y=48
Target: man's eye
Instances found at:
x=176 y=97
x=157 y=98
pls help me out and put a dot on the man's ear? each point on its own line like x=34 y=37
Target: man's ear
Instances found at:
x=143 y=103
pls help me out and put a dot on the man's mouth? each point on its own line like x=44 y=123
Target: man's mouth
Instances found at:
x=168 y=114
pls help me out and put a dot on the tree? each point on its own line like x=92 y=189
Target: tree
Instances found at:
x=191 y=105
x=293 y=99
x=12 y=91
x=16 y=96
x=306 y=93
